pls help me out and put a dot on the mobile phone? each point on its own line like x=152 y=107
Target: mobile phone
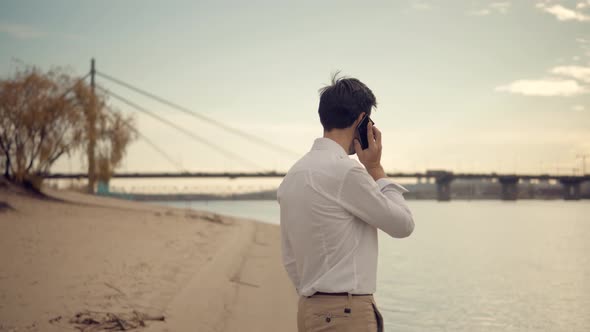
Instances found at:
x=361 y=130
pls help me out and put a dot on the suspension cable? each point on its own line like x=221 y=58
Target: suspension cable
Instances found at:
x=153 y=145
x=190 y=134
x=195 y=114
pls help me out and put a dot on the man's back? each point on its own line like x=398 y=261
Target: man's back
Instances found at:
x=330 y=208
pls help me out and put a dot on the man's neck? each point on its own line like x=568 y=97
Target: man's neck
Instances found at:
x=341 y=137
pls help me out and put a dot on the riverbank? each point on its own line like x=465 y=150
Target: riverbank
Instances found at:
x=199 y=270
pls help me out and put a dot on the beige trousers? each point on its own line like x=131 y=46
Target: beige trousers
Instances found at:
x=330 y=313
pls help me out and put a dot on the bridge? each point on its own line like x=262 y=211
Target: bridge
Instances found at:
x=443 y=178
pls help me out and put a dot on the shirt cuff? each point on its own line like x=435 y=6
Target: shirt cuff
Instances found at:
x=385 y=182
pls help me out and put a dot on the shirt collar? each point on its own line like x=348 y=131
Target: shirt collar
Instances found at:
x=324 y=143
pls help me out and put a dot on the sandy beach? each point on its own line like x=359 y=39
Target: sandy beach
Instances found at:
x=82 y=253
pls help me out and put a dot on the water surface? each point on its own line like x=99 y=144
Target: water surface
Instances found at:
x=476 y=266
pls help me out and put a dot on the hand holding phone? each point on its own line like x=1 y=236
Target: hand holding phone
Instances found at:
x=369 y=156
x=362 y=131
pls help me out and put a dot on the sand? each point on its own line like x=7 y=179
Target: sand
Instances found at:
x=201 y=271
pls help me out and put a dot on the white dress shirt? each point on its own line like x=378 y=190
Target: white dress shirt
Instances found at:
x=330 y=211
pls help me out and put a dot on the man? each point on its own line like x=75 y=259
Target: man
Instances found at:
x=331 y=207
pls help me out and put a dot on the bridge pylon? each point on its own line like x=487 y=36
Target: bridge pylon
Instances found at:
x=443 y=184
x=509 y=187
x=571 y=188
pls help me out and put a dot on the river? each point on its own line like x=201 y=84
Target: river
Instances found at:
x=476 y=265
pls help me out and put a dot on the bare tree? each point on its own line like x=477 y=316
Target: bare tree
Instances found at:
x=112 y=135
x=115 y=134
x=40 y=122
x=44 y=115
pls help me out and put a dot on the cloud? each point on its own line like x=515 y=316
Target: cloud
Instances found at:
x=21 y=31
x=563 y=13
x=494 y=7
x=578 y=108
x=501 y=7
x=420 y=5
x=582 y=5
x=479 y=12
x=544 y=87
x=584 y=45
x=578 y=72
x=573 y=81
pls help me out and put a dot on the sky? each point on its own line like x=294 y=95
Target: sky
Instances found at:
x=467 y=86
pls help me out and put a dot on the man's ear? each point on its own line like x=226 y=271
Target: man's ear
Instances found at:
x=359 y=119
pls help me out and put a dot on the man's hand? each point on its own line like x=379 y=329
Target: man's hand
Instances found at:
x=371 y=157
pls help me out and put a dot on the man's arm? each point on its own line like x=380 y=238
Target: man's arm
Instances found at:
x=289 y=258
x=369 y=195
x=379 y=203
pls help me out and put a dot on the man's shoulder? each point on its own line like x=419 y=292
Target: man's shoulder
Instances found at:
x=323 y=167
x=325 y=174
x=349 y=163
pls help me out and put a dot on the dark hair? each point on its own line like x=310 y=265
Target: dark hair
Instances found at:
x=343 y=101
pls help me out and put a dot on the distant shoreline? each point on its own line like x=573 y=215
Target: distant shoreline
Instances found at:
x=265 y=196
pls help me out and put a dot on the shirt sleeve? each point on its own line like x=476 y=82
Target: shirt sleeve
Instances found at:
x=289 y=258
x=379 y=203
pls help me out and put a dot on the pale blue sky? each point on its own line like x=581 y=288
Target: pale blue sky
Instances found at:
x=462 y=85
